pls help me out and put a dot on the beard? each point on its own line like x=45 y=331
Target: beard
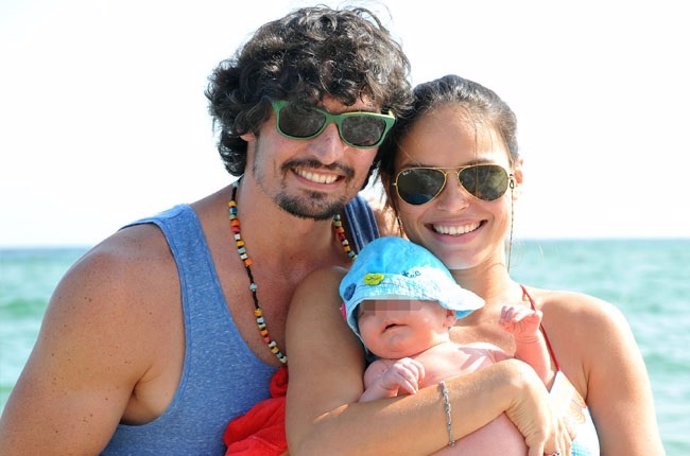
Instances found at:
x=313 y=205
x=306 y=204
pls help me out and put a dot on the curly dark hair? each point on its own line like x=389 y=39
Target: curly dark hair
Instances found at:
x=480 y=103
x=308 y=54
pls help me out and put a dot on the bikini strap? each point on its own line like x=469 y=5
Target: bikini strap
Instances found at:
x=525 y=294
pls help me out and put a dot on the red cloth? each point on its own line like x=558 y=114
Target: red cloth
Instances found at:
x=261 y=431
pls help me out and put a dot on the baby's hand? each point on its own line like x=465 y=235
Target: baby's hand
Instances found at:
x=522 y=322
x=404 y=373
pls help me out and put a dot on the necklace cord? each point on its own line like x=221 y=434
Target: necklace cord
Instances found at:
x=340 y=234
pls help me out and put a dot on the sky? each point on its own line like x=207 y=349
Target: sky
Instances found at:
x=103 y=119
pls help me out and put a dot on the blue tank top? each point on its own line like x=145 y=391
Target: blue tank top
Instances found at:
x=221 y=376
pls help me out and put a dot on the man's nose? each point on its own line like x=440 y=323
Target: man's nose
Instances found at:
x=328 y=147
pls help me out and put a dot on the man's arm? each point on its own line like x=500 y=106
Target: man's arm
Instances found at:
x=89 y=356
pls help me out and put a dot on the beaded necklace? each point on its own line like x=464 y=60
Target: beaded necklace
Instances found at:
x=242 y=250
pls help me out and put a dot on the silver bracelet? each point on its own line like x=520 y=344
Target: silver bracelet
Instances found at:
x=446 y=407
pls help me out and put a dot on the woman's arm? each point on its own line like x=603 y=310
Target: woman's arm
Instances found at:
x=619 y=393
x=326 y=367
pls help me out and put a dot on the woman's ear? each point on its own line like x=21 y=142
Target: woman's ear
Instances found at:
x=517 y=179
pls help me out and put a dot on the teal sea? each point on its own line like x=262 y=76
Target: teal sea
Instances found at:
x=649 y=280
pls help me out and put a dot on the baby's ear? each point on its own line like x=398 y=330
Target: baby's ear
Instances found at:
x=451 y=318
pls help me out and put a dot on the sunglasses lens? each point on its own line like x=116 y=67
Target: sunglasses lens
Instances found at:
x=362 y=130
x=486 y=182
x=300 y=122
x=420 y=185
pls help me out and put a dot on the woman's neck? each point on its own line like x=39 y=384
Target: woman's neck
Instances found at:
x=491 y=283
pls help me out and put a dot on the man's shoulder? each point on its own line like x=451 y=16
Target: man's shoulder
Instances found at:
x=129 y=247
x=134 y=262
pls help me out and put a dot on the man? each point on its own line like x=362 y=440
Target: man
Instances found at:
x=165 y=331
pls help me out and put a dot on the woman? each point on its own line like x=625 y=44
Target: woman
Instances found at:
x=452 y=173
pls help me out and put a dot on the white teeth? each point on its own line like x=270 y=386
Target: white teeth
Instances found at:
x=318 y=178
x=455 y=230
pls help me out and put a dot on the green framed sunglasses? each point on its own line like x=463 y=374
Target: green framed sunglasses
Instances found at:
x=359 y=129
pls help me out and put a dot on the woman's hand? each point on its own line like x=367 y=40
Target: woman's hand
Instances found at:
x=531 y=412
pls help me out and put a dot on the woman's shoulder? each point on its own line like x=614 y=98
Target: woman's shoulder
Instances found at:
x=588 y=335
x=568 y=301
x=322 y=278
x=319 y=288
x=576 y=307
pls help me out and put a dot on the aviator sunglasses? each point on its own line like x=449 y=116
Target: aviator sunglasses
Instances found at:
x=359 y=129
x=420 y=185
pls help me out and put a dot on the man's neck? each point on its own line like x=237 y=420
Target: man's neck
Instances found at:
x=270 y=230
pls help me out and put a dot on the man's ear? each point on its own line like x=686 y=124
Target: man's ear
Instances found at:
x=249 y=136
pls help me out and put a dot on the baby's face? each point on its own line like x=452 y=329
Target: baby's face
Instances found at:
x=393 y=306
x=395 y=328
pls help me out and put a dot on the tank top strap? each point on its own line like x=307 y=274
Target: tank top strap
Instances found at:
x=361 y=222
x=526 y=295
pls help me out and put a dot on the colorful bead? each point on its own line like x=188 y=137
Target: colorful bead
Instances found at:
x=242 y=251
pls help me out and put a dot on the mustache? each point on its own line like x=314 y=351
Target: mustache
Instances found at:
x=315 y=164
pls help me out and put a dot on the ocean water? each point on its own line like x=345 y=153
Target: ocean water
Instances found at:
x=649 y=280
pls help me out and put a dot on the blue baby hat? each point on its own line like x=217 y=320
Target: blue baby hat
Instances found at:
x=395 y=268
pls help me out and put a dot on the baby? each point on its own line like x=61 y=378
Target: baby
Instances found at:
x=401 y=301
